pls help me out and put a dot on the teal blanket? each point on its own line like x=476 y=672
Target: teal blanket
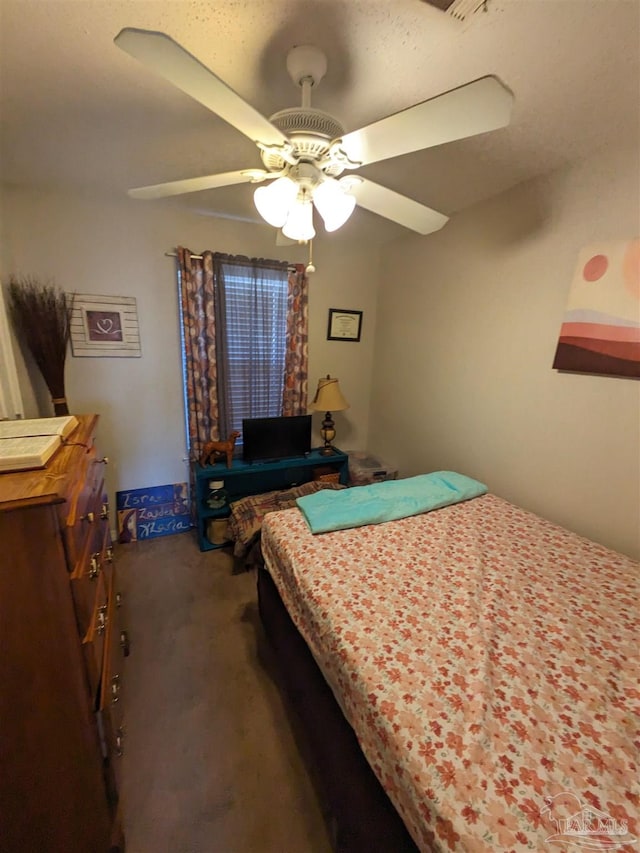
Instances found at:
x=337 y=510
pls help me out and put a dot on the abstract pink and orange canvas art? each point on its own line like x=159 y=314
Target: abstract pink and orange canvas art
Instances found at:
x=601 y=326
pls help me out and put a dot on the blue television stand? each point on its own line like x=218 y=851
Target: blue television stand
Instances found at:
x=255 y=478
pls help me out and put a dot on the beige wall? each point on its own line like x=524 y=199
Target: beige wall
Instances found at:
x=468 y=321
x=117 y=247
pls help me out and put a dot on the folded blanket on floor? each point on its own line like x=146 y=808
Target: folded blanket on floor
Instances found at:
x=387 y=501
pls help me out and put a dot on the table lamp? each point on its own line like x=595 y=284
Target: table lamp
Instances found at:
x=328 y=399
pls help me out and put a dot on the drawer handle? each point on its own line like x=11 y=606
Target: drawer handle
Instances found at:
x=102 y=619
x=120 y=733
x=108 y=555
x=88 y=517
x=94 y=566
x=125 y=644
x=115 y=689
x=104 y=512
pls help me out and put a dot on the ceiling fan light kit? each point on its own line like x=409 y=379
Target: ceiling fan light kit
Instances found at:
x=299 y=224
x=286 y=203
x=305 y=150
x=333 y=203
x=273 y=202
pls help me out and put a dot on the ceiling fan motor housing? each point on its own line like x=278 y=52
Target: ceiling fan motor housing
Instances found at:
x=310 y=132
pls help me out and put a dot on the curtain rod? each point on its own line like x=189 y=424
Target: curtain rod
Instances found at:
x=291 y=268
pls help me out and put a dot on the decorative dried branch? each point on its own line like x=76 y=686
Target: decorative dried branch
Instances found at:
x=41 y=315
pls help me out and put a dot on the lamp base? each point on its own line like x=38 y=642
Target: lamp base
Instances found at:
x=328 y=433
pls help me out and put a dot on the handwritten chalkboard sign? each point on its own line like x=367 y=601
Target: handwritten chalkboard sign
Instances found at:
x=156 y=511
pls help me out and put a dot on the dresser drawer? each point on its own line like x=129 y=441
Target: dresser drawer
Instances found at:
x=95 y=560
x=94 y=641
x=115 y=650
x=107 y=543
x=84 y=508
x=115 y=737
x=84 y=583
x=112 y=689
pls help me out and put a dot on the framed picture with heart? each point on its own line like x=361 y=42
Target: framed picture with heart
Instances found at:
x=105 y=326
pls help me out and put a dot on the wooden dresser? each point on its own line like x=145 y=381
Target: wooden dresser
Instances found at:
x=61 y=657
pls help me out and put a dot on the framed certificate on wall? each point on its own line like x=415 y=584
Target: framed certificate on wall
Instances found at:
x=344 y=325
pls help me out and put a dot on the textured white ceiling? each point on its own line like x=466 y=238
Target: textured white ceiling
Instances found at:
x=79 y=114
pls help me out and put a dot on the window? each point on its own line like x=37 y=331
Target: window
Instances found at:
x=252 y=334
x=244 y=335
x=237 y=342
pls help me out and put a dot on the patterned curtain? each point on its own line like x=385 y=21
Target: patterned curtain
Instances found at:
x=199 y=311
x=294 y=398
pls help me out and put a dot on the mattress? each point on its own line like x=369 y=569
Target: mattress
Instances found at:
x=487 y=662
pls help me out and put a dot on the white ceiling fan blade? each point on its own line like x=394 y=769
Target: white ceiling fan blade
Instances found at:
x=474 y=108
x=171 y=61
x=392 y=205
x=194 y=185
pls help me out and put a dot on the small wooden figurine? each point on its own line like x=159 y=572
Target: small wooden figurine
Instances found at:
x=212 y=449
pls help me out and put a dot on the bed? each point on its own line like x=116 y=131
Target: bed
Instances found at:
x=468 y=677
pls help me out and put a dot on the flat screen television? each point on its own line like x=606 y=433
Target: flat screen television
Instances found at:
x=275 y=438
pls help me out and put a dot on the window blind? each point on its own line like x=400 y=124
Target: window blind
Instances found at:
x=254 y=326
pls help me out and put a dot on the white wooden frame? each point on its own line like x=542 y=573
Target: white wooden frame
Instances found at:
x=104 y=326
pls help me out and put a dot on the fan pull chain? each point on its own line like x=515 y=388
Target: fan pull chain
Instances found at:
x=309 y=269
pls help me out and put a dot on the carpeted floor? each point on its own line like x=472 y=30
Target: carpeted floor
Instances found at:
x=210 y=761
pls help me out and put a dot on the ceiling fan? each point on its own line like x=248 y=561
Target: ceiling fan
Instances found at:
x=305 y=150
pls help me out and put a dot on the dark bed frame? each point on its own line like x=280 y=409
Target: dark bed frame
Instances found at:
x=361 y=816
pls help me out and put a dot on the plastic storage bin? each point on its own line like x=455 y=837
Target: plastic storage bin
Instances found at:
x=364 y=468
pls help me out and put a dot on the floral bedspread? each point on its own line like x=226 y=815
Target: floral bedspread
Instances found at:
x=488 y=663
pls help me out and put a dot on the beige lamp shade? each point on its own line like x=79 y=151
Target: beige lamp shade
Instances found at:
x=328 y=396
